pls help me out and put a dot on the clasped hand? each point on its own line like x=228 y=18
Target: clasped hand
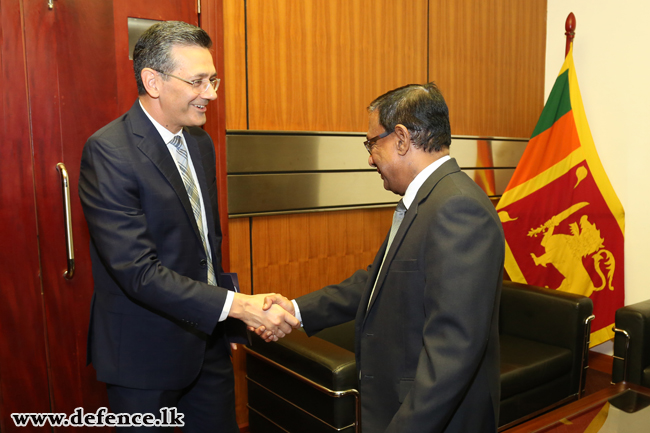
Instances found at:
x=269 y=315
x=271 y=301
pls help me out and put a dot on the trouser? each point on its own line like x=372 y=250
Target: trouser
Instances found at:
x=207 y=405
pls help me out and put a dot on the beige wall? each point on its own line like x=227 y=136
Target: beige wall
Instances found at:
x=612 y=60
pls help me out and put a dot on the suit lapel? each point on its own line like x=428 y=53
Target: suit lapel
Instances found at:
x=153 y=146
x=365 y=297
x=409 y=216
x=427 y=187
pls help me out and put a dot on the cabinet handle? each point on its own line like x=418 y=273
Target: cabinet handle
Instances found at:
x=67 y=213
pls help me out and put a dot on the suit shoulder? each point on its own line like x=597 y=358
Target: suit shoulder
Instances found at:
x=198 y=134
x=457 y=188
x=116 y=129
x=459 y=183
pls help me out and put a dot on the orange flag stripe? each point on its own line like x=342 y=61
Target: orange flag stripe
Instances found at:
x=563 y=138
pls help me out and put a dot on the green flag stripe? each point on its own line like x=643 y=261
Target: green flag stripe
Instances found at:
x=557 y=105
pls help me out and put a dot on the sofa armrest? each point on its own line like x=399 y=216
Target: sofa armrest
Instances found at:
x=313 y=358
x=635 y=321
x=544 y=315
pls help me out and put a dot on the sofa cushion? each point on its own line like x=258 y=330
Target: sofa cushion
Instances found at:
x=526 y=364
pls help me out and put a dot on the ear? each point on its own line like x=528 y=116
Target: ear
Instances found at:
x=151 y=81
x=403 y=139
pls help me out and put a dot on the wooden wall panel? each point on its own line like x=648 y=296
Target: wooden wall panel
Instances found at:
x=234 y=79
x=23 y=354
x=240 y=255
x=297 y=254
x=240 y=262
x=488 y=59
x=316 y=65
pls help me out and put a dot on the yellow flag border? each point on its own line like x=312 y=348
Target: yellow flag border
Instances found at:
x=512 y=267
x=601 y=335
x=541 y=180
x=587 y=143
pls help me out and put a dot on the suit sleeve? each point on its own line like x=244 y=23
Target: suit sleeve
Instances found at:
x=332 y=305
x=463 y=258
x=111 y=198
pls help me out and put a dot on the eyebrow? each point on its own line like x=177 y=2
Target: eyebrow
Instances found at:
x=203 y=75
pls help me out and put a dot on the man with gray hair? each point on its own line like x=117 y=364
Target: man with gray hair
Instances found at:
x=426 y=310
x=148 y=188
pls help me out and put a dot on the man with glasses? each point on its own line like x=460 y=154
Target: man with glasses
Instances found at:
x=157 y=332
x=426 y=310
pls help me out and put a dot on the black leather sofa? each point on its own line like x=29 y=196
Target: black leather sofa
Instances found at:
x=302 y=384
x=632 y=344
x=544 y=336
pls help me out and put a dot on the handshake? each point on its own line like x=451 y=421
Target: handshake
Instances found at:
x=270 y=315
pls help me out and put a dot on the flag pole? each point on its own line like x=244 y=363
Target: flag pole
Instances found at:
x=570 y=27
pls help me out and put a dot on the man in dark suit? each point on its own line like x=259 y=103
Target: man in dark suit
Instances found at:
x=426 y=310
x=148 y=189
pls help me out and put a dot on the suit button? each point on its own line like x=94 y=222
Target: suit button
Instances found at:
x=204 y=262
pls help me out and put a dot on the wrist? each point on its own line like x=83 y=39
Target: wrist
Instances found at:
x=238 y=306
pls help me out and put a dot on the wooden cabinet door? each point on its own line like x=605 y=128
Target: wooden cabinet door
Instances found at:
x=65 y=73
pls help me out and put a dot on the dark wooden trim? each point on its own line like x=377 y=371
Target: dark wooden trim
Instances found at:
x=575 y=407
x=600 y=362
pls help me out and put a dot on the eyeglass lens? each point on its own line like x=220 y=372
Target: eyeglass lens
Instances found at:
x=201 y=86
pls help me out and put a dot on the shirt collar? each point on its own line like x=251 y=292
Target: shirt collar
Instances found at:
x=416 y=183
x=166 y=135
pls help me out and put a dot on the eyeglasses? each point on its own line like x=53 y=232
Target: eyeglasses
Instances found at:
x=198 y=86
x=371 y=141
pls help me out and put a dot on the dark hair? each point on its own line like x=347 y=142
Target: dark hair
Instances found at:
x=153 y=49
x=421 y=109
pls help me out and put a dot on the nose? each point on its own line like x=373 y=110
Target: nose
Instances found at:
x=209 y=93
x=371 y=162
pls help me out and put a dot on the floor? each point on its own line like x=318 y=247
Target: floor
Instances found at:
x=599 y=374
x=596 y=380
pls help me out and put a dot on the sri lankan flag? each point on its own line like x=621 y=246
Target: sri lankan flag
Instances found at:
x=485 y=178
x=563 y=222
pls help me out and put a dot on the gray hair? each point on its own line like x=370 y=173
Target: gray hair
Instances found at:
x=421 y=109
x=153 y=49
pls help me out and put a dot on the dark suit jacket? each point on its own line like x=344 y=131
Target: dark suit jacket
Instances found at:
x=152 y=311
x=428 y=346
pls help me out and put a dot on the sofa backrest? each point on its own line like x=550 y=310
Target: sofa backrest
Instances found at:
x=341 y=335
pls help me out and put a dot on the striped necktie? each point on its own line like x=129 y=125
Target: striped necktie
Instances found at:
x=193 y=195
x=398 y=216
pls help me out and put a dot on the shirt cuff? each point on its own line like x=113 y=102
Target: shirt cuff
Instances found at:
x=226 y=306
x=297 y=311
